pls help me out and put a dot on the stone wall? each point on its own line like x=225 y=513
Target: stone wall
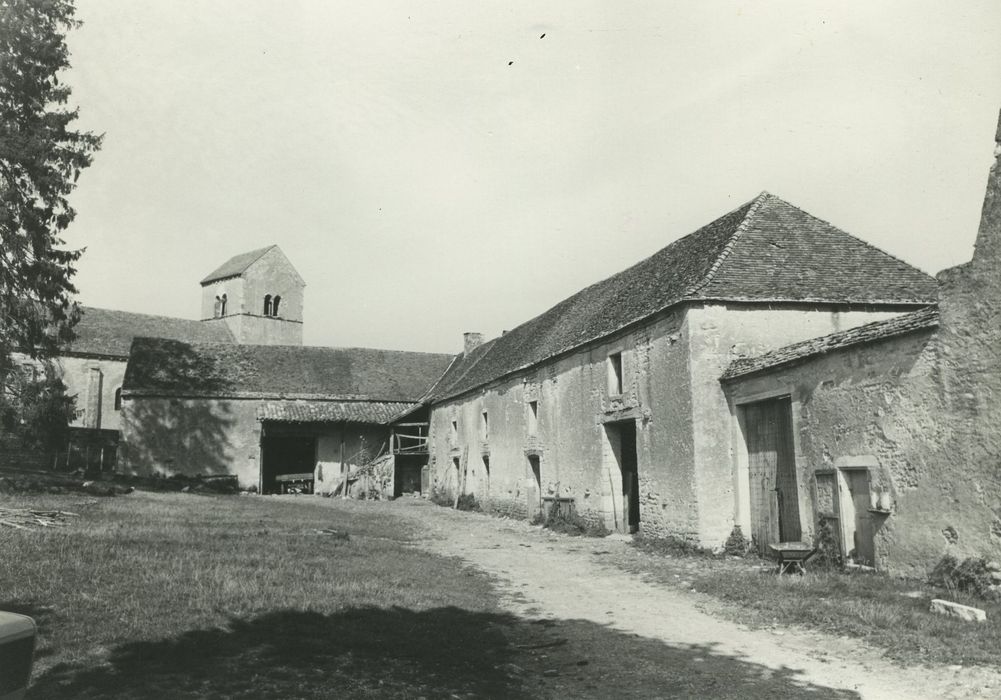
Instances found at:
x=273 y=275
x=875 y=406
x=168 y=436
x=94 y=382
x=671 y=393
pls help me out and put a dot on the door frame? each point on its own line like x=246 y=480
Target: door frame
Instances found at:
x=741 y=471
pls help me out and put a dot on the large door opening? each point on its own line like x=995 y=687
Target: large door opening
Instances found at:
x=622 y=440
x=407 y=474
x=287 y=459
x=771 y=461
x=533 y=495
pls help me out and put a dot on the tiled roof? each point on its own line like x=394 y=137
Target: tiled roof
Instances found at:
x=109 y=333
x=236 y=265
x=378 y=412
x=924 y=319
x=173 y=368
x=766 y=250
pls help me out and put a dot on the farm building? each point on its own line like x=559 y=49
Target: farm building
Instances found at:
x=612 y=398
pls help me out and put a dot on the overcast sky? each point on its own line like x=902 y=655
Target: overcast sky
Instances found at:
x=434 y=168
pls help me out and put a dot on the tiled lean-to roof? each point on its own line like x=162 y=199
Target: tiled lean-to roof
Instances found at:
x=160 y=367
x=379 y=412
x=922 y=320
x=109 y=333
x=236 y=265
x=764 y=251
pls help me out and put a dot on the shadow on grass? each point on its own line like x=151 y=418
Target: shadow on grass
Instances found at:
x=446 y=652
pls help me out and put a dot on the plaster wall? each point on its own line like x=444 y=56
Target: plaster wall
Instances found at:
x=170 y=436
x=95 y=399
x=574 y=451
x=719 y=334
x=879 y=405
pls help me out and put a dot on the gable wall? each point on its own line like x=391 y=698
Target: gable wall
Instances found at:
x=720 y=334
x=82 y=375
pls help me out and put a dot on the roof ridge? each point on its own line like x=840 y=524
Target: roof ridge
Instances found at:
x=755 y=204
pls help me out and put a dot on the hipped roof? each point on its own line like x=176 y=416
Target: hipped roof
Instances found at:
x=764 y=251
x=161 y=367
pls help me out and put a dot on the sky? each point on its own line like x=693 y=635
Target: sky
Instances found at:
x=432 y=168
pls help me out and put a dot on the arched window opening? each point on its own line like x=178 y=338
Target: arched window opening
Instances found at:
x=118 y=399
x=274 y=308
x=222 y=305
x=267 y=305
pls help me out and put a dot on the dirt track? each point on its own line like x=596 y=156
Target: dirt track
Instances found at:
x=543 y=575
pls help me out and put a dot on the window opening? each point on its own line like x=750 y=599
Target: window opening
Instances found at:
x=615 y=374
x=222 y=305
x=485 y=427
x=267 y=305
x=274 y=306
x=533 y=418
x=118 y=399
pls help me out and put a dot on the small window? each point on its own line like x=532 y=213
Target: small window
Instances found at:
x=455 y=430
x=222 y=305
x=485 y=427
x=267 y=305
x=274 y=308
x=533 y=417
x=615 y=374
x=118 y=399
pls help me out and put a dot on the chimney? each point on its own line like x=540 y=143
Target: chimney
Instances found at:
x=471 y=341
x=987 y=253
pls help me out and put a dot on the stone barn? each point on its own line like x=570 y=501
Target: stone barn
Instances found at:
x=611 y=399
x=275 y=416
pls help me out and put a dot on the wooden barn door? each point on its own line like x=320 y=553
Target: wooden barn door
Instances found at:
x=772 y=472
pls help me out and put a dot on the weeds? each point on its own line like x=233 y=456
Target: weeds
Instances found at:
x=970 y=576
x=736 y=544
x=562 y=518
x=468 y=502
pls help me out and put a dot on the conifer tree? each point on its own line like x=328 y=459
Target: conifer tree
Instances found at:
x=41 y=157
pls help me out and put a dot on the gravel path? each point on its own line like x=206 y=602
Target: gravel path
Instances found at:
x=542 y=575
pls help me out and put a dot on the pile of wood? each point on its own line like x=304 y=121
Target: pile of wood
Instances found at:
x=23 y=519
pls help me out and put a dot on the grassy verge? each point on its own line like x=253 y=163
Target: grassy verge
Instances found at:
x=888 y=613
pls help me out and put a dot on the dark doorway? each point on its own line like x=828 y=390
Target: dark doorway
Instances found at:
x=771 y=462
x=407 y=474
x=534 y=495
x=622 y=436
x=285 y=456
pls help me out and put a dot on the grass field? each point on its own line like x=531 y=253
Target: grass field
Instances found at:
x=172 y=595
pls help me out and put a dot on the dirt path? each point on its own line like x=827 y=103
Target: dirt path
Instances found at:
x=548 y=576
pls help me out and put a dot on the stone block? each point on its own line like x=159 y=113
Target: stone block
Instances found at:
x=963 y=612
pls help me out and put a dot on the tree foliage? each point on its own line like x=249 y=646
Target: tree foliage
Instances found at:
x=37 y=407
x=41 y=157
